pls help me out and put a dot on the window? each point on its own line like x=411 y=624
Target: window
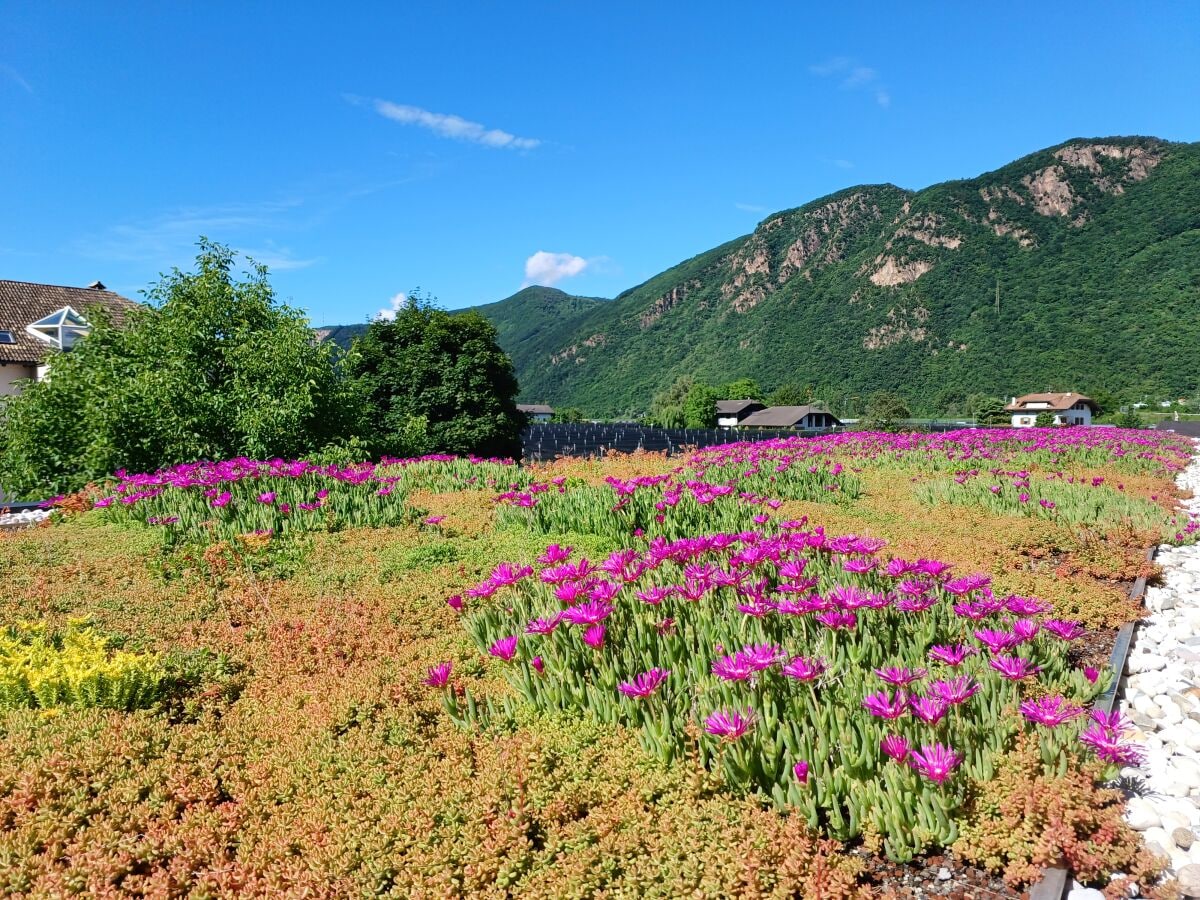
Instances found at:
x=6 y=337
x=60 y=329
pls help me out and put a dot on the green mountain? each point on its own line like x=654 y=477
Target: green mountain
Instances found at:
x=1094 y=246
x=1073 y=268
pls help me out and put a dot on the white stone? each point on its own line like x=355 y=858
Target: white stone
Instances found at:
x=1141 y=814
x=1085 y=893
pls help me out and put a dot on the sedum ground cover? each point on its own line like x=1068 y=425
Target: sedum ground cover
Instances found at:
x=745 y=673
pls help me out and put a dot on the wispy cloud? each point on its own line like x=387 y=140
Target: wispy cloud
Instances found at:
x=750 y=207
x=14 y=76
x=169 y=239
x=853 y=76
x=446 y=125
x=550 y=268
x=843 y=163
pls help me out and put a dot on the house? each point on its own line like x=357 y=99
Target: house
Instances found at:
x=38 y=319
x=1067 y=409
x=806 y=418
x=730 y=413
x=536 y=412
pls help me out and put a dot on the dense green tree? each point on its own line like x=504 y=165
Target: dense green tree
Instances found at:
x=1044 y=420
x=436 y=382
x=791 y=394
x=672 y=398
x=885 y=410
x=741 y=389
x=569 y=414
x=214 y=367
x=700 y=408
x=988 y=410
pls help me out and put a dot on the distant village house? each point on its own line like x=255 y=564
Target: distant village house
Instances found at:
x=731 y=413
x=536 y=412
x=38 y=319
x=805 y=418
x=1067 y=409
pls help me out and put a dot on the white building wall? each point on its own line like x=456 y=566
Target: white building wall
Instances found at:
x=10 y=376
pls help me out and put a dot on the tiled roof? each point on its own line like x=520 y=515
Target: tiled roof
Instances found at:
x=1054 y=402
x=23 y=303
x=783 y=416
x=536 y=409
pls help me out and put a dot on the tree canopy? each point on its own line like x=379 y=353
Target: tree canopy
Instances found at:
x=214 y=367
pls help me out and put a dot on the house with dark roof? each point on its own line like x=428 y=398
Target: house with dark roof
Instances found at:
x=38 y=320
x=536 y=412
x=730 y=413
x=1067 y=409
x=805 y=418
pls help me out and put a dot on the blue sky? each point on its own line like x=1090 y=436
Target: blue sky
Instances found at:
x=369 y=150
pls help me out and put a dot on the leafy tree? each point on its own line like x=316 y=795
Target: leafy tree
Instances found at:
x=1044 y=420
x=988 y=410
x=444 y=369
x=570 y=414
x=670 y=399
x=885 y=410
x=791 y=394
x=214 y=368
x=1128 y=419
x=700 y=408
x=741 y=389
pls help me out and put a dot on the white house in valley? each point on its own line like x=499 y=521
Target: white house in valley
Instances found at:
x=805 y=418
x=1067 y=409
x=36 y=320
x=731 y=413
x=536 y=412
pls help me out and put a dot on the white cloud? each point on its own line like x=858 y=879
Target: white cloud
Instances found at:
x=843 y=164
x=550 y=268
x=750 y=207
x=447 y=125
x=388 y=313
x=852 y=76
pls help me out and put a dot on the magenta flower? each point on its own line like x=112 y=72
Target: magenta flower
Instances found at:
x=1091 y=673
x=654 y=595
x=266 y=497
x=736 y=667
x=665 y=627
x=544 y=625
x=505 y=648
x=729 y=726
x=592 y=612
x=221 y=499
x=1013 y=668
x=1026 y=629
x=569 y=592
x=955 y=690
x=800 y=770
x=645 y=684
x=604 y=591
x=929 y=710
x=895 y=746
x=1024 y=606
x=952 y=656
x=967 y=584
x=805 y=669
x=554 y=554
x=883 y=706
x=439 y=675
x=1067 y=631
x=538 y=665
x=997 y=641
x=455 y=602
x=899 y=677
x=1110 y=747
x=837 y=621
x=506 y=574
x=1050 y=711
x=594 y=637
x=763 y=656
x=935 y=762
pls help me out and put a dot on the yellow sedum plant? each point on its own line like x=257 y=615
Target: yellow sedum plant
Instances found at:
x=76 y=667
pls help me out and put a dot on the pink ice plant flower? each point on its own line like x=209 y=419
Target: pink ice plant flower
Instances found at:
x=544 y=625
x=538 y=665
x=800 y=770
x=729 y=725
x=505 y=648
x=555 y=553
x=935 y=762
x=590 y=612
x=997 y=641
x=805 y=668
x=735 y=667
x=1091 y=673
x=594 y=637
x=883 y=706
x=899 y=676
x=837 y=621
x=455 y=602
x=1014 y=668
x=895 y=747
x=439 y=675
x=1064 y=630
x=763 y=656
x=654 y=595
x=929 y=710
x=645 y=684
x=951 y=655
x=955 y=690
x=1050 y=711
